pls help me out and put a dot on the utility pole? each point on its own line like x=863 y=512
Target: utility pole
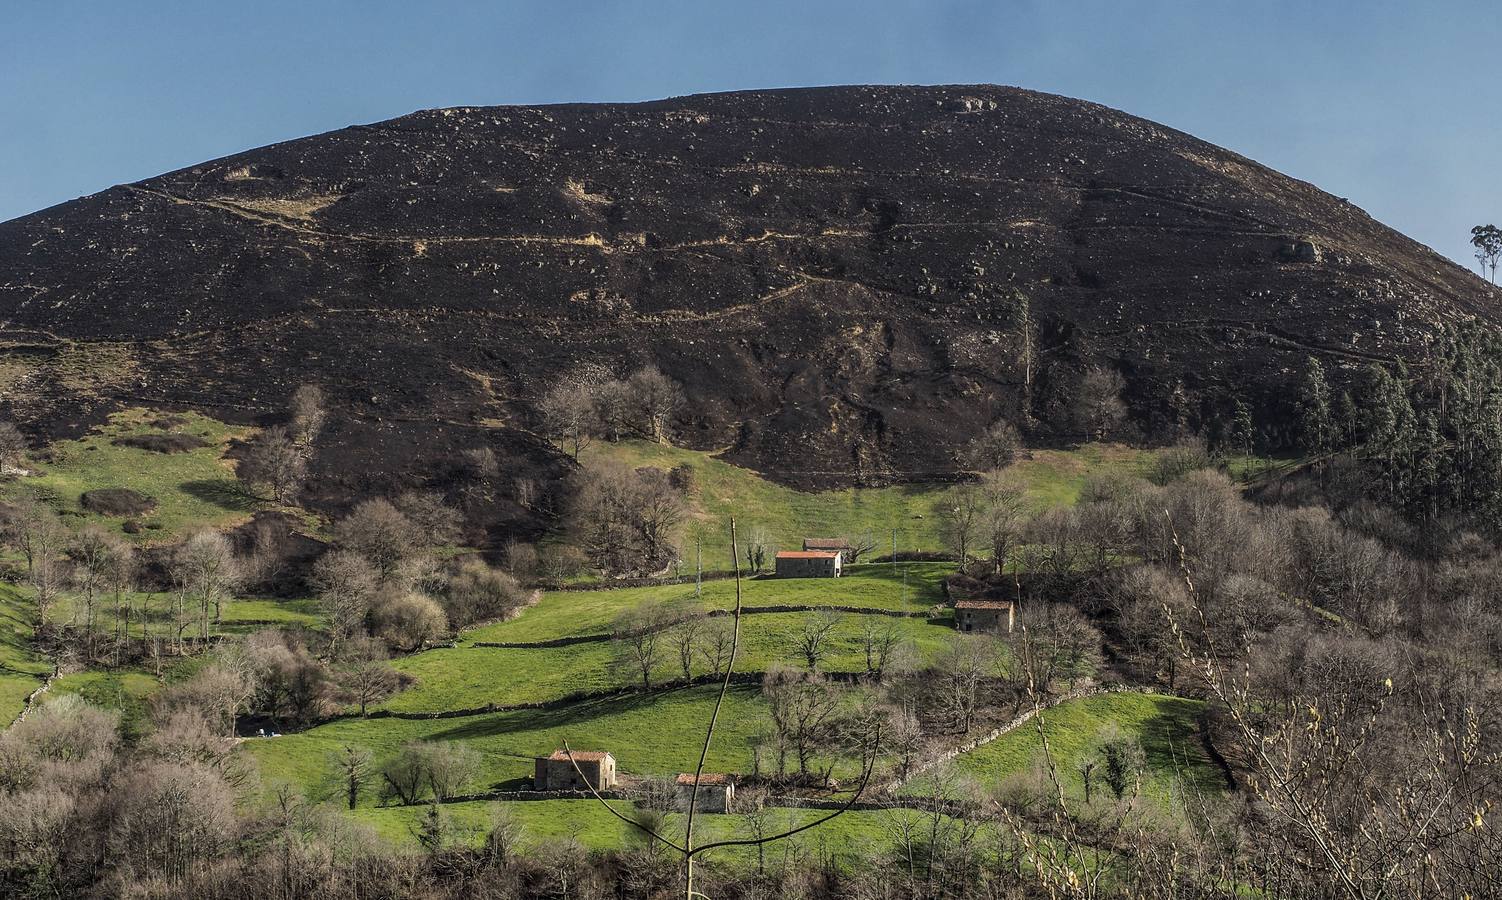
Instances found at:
x=698 y=570
x=894 y=563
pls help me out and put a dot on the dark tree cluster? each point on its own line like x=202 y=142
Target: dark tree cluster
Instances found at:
x=1428 y=444
x=589 y=403
x=624 y=519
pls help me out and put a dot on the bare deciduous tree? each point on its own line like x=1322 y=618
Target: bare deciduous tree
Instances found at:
x=345 y=583
x=813 y=639
x=378 y=531
x=440 y=769
x=96 y=555
x=715 y=642
x=639 y=640
x=355 y=767
x=656 y=398
x=478 y=593
x=32 y=527
x=758 y=549
x=1097 y=408
x=961 y=513
x=624 y=517
x=802 y=706
x=306 y=414
x=409 y=621
x=365 y=675
x=274 y=466
x=858 y=545
x=1004 y=512
x=993 y=449
x=172 y=817
x=659 y=509
x=686 y=638
x=961 y=671
x=436 y=522
x=205 y=570
x=570 y=413
x=884 y=646
x=481 y=468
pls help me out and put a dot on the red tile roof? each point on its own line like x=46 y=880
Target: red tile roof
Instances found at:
x=983 y=604
x=806 y=554
x=580 y=755
x=687 y=778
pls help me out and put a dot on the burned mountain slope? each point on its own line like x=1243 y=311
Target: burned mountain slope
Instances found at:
x=846 y=281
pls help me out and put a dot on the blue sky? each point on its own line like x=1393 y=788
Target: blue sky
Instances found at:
x=1390 y=104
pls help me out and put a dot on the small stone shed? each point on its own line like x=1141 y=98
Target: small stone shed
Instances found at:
x=810 y=564
x=716 y=792
x=984 y=615
x=556 y=773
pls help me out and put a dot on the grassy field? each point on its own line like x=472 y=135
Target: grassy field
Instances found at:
x=241 y=614
x=1052 y=477
x=1164 y=725
x=191 y=489
x=656 y=734
x=472 y=677
x=22 y=670
x=853 y=836
x=878 y=586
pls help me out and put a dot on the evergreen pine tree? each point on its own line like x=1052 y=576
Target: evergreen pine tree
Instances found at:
x=1316 y=422
x=1241 y=433
x=1347 y=425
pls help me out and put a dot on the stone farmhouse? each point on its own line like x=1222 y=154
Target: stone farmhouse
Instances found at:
x=556 y=773
x=810 y=564
x=716 y=792
x=984 y=615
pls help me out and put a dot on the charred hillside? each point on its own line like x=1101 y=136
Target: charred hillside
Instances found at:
x=845 y=280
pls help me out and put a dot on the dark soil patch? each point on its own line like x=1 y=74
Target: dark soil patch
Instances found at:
x=116 y=502
x=162 y=443
x=168 y=422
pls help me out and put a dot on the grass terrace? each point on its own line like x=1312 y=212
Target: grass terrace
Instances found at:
x=877 y=586
x=1166 y=726
x=472 y=677
x=722 y=489
x=241 y=615
x=853 y=836
x=655 y=734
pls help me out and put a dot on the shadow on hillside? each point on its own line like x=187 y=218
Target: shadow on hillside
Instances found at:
x=1172 y=743
x=225 y=493
x=575 y=715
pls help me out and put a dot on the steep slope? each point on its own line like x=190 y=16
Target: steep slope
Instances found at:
x=842 y=278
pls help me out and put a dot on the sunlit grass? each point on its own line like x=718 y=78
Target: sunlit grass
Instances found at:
x=472 y=677
x=1166 y=727
x=656 y=734
x=22 y=669
x=908 y=587
x=191 y=489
